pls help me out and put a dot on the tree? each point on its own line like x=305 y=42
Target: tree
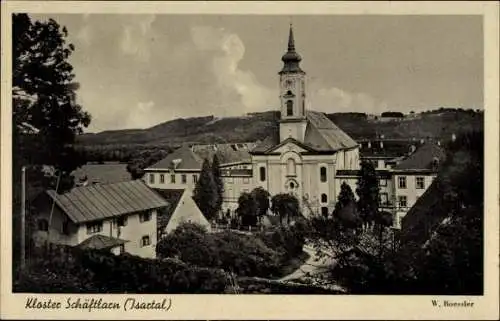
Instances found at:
x=44 y=97
x=205 y=192
x=261 y=199
x=285 y=205
x=46 y=118
x=368 y=193
x=219 y=184
x=144 y=159
x=247 y=209
x=346 y=196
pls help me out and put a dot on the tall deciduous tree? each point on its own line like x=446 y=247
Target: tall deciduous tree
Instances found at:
x=247 y=209
x=368 y=193
x=261 y=199
x=44 y=97
x=205 y=193
x=45 y=115
x=285 y=205
x=219 y=184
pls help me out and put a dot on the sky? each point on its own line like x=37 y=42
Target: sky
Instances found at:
x=136 y=71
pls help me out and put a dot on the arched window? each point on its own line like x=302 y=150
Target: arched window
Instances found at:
x=324 y=198
x=322 y=174
x=324 y=211
x=291 y=168
x=289 y=93
x=43 y=225
x=262 y=172
x=289 y=108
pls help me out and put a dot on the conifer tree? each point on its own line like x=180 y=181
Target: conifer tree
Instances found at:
x=219 y=184
x=368 y=193
x=205 y=193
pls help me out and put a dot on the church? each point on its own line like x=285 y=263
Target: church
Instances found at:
x=302 y=157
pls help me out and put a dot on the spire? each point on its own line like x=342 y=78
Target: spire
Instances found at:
x=291 y=58
x=291 y=41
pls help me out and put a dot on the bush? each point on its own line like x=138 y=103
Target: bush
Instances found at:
x=72 y=270
x=287 y=240
x=246 y=255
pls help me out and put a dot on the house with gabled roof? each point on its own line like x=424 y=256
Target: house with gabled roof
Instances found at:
x=121 y=217
x=181 y=209
x=413 y=176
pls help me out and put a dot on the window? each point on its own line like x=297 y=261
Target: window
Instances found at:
x=183 y=178
x=402 y=201
x=246 y=180
x=43 y=225
x=324 y=198
x=144 y=217
x=292 y=185
x=122 y=248
x=172 y=178
x=230 y=180
x=324 y=211
x=95 y=227
x=322 y=174
x=420 y=182
x=145 y=241
x=121 y=221
x=289 y=108
x=65 y=228
x=291 y=168
x=262 y=172
x=384 y=199
x=195 y=179
x=382 y=182
x=402 y=181
x=151 y=178
x=162 y=179
x=289 y=93
x=303 y=107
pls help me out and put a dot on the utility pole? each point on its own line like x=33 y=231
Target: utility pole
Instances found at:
x=23 y=217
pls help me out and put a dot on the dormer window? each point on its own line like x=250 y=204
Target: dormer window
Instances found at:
x=289 y=108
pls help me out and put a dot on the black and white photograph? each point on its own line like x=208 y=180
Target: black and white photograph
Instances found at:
x=293 y=153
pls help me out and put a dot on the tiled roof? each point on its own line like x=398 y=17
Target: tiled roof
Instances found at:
x=423 y=158
x=188 y=160
x=103 y=173
x=331 y=137
x=101 y=242
x=172 y=197
x=97 y=202
x=321 y=135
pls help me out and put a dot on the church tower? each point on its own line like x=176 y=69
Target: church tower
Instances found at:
x=293 y=121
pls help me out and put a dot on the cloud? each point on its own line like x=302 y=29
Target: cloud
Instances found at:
x=228 y=51
x=337 y=100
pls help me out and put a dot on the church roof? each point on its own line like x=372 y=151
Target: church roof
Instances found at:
x=321 y=135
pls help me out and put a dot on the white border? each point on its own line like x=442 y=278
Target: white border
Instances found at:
x=275 y=306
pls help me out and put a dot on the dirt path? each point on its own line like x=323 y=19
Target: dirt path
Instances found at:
x=312 y=265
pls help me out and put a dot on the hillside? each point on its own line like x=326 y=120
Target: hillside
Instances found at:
x=258 y=125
